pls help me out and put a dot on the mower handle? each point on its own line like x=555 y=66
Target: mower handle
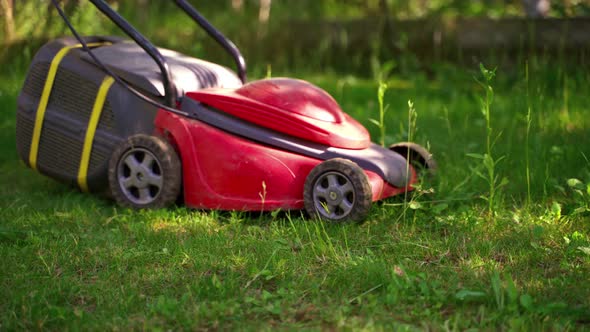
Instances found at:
x=170 y=91
x=227 y=44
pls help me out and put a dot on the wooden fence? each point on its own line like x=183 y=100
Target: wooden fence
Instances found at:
x=434 y=39
x=351 y=44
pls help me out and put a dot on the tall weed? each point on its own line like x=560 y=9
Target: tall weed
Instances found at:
x=489 y=162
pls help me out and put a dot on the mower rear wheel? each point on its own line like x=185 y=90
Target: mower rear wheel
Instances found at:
x=417 y=156
x=145 y=172
x=337 y=190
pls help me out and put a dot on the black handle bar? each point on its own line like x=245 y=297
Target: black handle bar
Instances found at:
x=169 y=87
x=227 y=44
x=170 y=91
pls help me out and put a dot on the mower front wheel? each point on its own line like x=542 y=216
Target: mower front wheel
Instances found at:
x=145 y=172
x=337 y=190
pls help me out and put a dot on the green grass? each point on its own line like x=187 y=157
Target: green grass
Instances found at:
x=78 y=262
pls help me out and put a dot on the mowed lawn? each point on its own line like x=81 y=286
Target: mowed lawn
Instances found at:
x=443 y=259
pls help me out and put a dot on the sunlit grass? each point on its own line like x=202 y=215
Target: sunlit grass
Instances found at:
x=77 y=261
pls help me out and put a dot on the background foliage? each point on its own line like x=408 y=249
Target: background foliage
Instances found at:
x=499 y=240
x=36 y=18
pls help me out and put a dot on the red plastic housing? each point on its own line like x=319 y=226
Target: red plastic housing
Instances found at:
x=227 y=172
x=293 y=107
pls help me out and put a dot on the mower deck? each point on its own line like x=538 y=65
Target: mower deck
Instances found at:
x=149 y=125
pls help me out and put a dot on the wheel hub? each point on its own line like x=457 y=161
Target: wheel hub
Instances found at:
x=334 y=195
x=139 y=176
x=140 y=179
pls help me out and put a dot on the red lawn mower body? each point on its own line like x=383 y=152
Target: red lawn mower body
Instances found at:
x=228 y=172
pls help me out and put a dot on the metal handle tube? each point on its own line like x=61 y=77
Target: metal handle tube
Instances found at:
x=151 y=50
x=227 y=44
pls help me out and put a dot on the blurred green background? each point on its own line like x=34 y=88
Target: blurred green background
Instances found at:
x=310 y=34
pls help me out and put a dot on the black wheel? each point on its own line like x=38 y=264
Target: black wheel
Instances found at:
x=337 y=190
x=418 y=157
x=145 y=172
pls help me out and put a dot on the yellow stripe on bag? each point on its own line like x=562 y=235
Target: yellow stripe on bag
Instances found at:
x=91 y=130
x=40 y=116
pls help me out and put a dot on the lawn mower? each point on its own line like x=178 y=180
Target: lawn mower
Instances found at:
x=150 y=126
